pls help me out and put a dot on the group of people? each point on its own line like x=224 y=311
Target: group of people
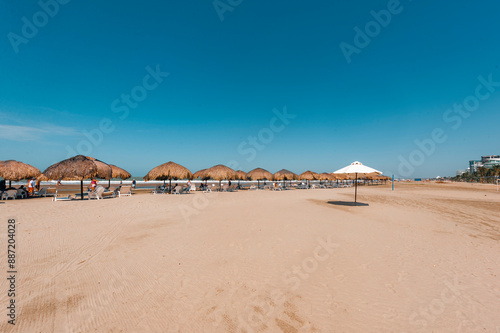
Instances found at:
x=33 y=185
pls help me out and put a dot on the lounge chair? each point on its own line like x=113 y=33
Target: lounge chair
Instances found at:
x=42 y=192
x=67 y=198
x=177 y=190
x=186 y=189
x=50 y=192
x=125 y=190
x=21 y=193
x=12 y=194
x=97 y=194
x=193 y=187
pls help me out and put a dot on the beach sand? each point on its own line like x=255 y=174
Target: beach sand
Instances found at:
x=422 y=258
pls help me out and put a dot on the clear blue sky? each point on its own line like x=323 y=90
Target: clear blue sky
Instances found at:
x=226 y=77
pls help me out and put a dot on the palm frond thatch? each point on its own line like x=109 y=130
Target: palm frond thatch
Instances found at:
x=285 y=174
x=308 y=175
x=260 y=174
x=168 y=171
x=241 y=175
x=201 y=174
x=75 y=168
x=15 y=170
x=104 y=171
x=119 y=172
x=220 y=172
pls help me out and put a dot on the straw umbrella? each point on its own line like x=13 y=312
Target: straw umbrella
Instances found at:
x=104 y=171
x=357 y=169
x=259 y=174
x=241 y=175
x=325 y=176
x=75 y=168
x=117 y=172
x=309 y=175
x=15 y=170
x=285 y=174
x=220 y=172
x=168 y=171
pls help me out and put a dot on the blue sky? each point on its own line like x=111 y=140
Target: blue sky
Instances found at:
x=225 y=78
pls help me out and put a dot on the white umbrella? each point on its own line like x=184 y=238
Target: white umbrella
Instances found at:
x=357 y=168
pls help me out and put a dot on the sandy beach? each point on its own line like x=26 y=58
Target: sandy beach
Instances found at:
x=423 y=258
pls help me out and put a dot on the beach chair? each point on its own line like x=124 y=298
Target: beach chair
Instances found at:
x=21 y=193
x=177 y=190
x=108 y=194
x=253 y=187
x=207 y=189
x=42 y=192
x=12 y=194
x=50 y=192
x=97 y=194
x=193 y=187
x=186 y=189
x=67 y=198
x=125 y=190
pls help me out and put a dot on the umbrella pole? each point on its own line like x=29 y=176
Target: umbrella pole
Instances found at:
x=109 y=182
x=81 y=189
x=10 y=183
x=356 y=191
x=170 y=185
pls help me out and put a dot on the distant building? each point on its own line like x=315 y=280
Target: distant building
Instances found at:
x=461 y=172
x=486 y=162
x=490 y=161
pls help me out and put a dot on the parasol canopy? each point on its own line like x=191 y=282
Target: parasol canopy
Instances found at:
x=15 y=170
x=357 y=169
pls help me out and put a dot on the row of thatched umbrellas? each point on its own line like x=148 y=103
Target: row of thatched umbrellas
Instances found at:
x=83 y=167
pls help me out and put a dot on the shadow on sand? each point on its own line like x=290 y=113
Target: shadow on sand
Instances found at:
x=346 y=203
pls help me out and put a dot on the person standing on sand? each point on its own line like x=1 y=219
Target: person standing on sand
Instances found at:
x=30 y=187
x=133 y=184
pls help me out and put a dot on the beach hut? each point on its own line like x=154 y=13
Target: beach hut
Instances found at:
x=219 y=172
x=284 y=175
x=14 y=170
x=168 y=171
x=357 y=169
x=75 y=168
x=259 y=174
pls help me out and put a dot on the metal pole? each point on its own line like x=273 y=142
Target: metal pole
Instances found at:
x=81 y=189
x=393 y=182
x=356 y=191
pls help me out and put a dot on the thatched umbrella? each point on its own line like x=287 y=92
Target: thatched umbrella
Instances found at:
x=241 y=175
x=168 y=171
x=75 y=168
x=220 y=172
x=117 y=172
x=309 y=175
x=259 y=174
x=104 y=171
x=325 y=176
x=285 y=174
x=15 y=170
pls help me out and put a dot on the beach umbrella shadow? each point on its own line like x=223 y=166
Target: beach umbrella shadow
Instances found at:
x=347 y=203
